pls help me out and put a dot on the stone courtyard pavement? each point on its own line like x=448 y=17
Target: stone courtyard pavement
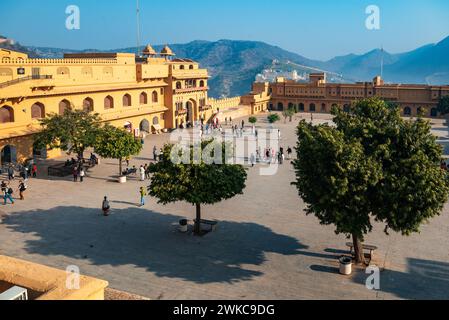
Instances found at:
x=265 y=247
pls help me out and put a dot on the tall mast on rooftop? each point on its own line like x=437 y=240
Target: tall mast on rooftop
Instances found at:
x=138 y=28
x=382 y=62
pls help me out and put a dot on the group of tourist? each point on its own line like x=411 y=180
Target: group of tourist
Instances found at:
x=7 y=191
x=26 y=171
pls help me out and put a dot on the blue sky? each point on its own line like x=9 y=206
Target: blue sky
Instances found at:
x=316 y=29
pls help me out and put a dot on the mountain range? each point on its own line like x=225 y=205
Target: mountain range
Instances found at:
x=233 y=65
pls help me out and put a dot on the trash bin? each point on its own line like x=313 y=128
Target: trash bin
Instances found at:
x=183 y=225
x=345 y=265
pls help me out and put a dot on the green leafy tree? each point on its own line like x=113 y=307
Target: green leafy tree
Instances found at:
x=289 y=113
x=373 y=166
x=272 y=118
x=200 y=182
x=116 y=143
x=443 y=105
x=252 y=120
x=73 y=132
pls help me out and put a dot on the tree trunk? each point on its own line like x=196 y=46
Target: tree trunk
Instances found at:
x=120 y=167
x=197 y=228
x=358 y=250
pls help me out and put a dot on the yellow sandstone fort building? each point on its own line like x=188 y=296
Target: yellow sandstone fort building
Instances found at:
x=155 y=91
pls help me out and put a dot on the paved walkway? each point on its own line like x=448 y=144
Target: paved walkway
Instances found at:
x=264 y=248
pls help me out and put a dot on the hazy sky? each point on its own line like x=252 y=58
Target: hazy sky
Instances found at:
x=318 y=29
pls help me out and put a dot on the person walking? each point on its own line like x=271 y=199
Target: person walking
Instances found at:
x=82 y=174
x=22 y=189
x=289 y=153
x=10 y=173
x=142 y=173
x=34 y=170
x=154 y=153
x=127 y=159
x=7 y=194
x=75 y=174
x=105 y=207
x=252 y=159
x=143 y=193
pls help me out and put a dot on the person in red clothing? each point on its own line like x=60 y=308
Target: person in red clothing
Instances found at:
x=34 y=170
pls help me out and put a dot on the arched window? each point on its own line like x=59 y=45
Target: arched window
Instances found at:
x=87 y=72
x=434 y=112
x=6 y=114
x=154 y=96
x=143 y=99
x=5 y=72
x=37 y=111
x=108 y=72
x=407 y=111
x=280 y=106
x=88 y=105
x=63 y=106
x=191 y=67
x=155 y=121
x=178 y=85
x=202 y=83
x=312 y=107
x=301 y=107
x=108 y=103
x=126 y=100
x=181 y=67
x=63 y=71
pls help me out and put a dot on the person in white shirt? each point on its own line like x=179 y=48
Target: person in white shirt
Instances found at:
x=142 y=173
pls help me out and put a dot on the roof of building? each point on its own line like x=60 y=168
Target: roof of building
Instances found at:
x=166 y=51
x=182 y=60
x=149 y=51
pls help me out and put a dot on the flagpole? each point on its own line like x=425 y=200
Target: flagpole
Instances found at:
x=382 y=63
x=138 y=28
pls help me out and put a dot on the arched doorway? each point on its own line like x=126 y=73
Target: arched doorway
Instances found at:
x=434 y=112
x=37 y=111
x=6 y=114
x=88 y=105
x=8 y=155
x=191 y=112
x=301 y=107
x=63 y=106
x=407 y=111
x=144 y=126
x=280 y=106
x=312 y=107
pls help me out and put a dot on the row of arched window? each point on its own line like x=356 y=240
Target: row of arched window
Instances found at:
x=407 y=111
x=182 y=67
x=190 y=84
x=38 y=109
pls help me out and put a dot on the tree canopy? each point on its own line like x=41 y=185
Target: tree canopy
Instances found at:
x=116 y=143
x=373 y=166
x=443 y=105
x=252 y=120
x=74 y=131
x=196 y=180
x=273 y=117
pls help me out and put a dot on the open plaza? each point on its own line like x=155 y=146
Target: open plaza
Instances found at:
x=264 y=247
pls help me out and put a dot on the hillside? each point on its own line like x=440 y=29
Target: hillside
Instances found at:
x=233 y=65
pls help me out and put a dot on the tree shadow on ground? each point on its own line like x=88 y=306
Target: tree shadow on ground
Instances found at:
x=149 y=240
x=423 y=280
